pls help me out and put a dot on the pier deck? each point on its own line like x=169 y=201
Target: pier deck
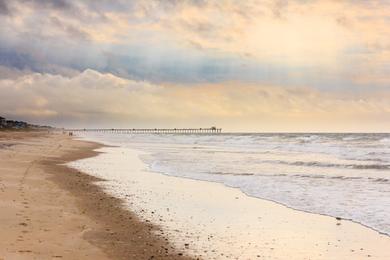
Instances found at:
x=211 y=130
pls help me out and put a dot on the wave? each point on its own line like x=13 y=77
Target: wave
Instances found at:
x=338 y=177
x=343 y=175
x=310 y=176
x=331 y=165
x=385 y=140
x=379 y=179
x=232 y=173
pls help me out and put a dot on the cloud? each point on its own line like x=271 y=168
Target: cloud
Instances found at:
x=95 y=99
x=4 y=10
x=51 y=4
x=274 y=34
x=261 y=64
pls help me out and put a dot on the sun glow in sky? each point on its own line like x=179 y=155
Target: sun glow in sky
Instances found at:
x=255 y=65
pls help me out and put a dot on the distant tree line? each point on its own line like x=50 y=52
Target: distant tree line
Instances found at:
x=13 y=124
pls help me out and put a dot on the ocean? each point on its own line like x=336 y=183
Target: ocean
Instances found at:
x=341 y=175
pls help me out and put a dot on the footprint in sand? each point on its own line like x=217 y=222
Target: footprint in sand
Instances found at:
x=25 y=251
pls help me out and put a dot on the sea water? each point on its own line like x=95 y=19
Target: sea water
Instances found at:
x=340 y=175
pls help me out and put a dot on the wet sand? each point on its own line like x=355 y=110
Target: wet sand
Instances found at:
x=213 y=221
x=49 y=211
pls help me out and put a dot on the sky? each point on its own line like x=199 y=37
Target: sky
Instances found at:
x=252 y=66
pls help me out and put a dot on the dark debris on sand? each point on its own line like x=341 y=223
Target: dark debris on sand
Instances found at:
x=122 y=235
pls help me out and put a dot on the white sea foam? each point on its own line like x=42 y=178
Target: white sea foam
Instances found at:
x=341 y=175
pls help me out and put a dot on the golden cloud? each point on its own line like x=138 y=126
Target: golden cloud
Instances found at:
x=95 y=98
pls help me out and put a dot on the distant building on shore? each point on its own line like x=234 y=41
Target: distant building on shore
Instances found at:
x=16 y=124
x=3 y=122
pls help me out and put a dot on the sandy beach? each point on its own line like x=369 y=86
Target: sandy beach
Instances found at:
x=49 y=211
x=195 y=129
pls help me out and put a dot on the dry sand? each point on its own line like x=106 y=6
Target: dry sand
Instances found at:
x=48 y=211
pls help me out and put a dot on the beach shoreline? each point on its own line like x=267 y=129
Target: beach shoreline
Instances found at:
x=52 y=211
x=76 y=199
x=216 y=221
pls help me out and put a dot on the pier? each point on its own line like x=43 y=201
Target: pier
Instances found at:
x=210 y=130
